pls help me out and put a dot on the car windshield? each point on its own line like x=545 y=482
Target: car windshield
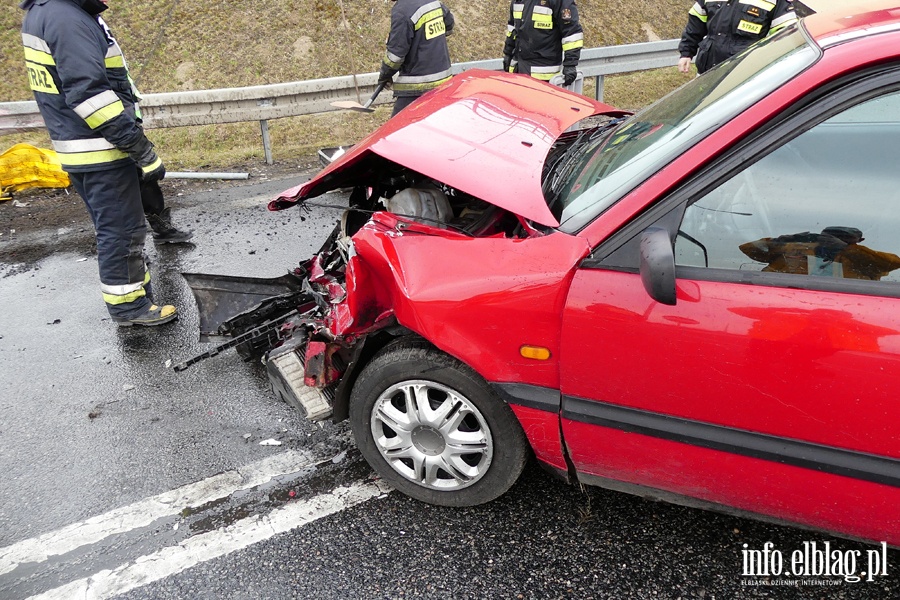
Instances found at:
x=611 y=165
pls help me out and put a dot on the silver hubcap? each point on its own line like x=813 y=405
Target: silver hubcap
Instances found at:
x=431 y=435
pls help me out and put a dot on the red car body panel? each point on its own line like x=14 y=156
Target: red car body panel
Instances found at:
x=837 y=504
x=797 y=363
x=812 y=371
x=468 y=298
x=841 y=348
x=543 y=432
x=830 y=27
x=493 y=140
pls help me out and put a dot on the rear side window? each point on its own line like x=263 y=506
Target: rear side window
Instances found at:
x=825 y=204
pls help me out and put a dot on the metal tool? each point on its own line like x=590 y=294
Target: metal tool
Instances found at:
x=351 y=105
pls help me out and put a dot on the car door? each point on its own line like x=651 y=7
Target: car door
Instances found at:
x=765 y=376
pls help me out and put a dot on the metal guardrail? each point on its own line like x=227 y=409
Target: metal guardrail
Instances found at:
x=264 y=102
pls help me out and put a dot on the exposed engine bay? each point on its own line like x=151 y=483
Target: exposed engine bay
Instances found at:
x=486 y=181
x=303 y=326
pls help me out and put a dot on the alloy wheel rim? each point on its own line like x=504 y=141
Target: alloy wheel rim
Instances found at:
x=431 y=435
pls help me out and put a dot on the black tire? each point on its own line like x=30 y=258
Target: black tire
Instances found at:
x=469 y=473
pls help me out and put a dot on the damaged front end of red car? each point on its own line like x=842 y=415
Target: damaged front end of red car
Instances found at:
x=491 y=138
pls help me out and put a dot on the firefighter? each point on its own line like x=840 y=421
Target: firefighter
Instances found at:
x=152 y=200
x=417 y=48
x=543 y=39
x=81 y=87
x=719 y=29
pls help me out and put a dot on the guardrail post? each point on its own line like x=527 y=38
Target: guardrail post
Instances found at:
x=598 y=88
x=267 y=143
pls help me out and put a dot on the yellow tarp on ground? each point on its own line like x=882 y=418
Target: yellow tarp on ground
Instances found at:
x=23 y=166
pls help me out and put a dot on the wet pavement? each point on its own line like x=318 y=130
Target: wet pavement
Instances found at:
x=90 y=415
x=92 y=421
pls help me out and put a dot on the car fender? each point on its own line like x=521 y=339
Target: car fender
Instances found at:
x=452 y=290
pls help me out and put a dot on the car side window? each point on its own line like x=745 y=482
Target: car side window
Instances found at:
x=824 y=204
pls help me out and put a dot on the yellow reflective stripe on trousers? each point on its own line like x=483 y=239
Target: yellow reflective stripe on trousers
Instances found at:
x=113 y=62
x=122 y=294
x=112 y=299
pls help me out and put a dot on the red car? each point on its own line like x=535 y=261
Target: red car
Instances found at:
x=699 y=302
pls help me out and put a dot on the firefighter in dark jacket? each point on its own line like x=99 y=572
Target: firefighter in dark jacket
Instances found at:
x=719 y=29
x=543 y=39
x=417 y=48
x=152 y=199
x=82 y=90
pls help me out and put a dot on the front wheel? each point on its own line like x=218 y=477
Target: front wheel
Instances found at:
x=434 y=429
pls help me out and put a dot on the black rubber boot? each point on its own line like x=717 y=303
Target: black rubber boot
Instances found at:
x=163 y=230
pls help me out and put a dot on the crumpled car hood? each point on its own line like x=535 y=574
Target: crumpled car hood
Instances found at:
x=485 y=133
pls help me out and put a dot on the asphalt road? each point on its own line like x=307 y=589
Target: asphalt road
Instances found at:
x=122 y=478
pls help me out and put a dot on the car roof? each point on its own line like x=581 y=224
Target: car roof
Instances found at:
x=838 y=21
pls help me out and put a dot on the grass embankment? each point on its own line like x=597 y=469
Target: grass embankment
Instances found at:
x=175 y=45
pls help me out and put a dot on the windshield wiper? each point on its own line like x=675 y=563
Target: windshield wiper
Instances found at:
x=562 y=170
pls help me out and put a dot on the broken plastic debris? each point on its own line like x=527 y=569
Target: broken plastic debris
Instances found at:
x=339 y=457
x=168 y=363
x=81 y=260
x=18 y=204
x=247 y=436
x=270 y=442
x=127 y=387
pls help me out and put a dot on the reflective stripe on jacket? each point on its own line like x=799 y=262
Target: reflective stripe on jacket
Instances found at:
x=78 y=76
x=417 y=45
x=719 y=29
x=542 y=37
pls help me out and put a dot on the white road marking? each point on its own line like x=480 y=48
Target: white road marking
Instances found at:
x=207 y=546
x=145 y=512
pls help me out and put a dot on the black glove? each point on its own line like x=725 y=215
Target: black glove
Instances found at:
x=153 y=171
x=386 y=75
x=507 y=60
x=569 y=74
x=150 y=166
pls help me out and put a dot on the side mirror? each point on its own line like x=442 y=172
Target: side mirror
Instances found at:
x=658 y=265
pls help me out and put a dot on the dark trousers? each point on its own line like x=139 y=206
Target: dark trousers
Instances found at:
x=152 y=198
x=401 y=102
x=113 y=199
